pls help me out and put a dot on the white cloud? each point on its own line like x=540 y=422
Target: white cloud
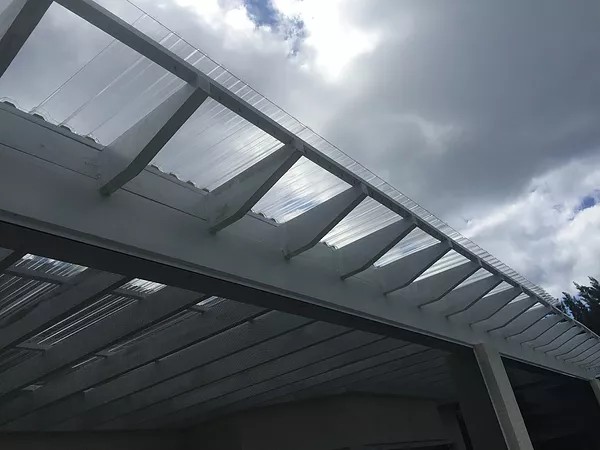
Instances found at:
x=331 y=35
x=542 y=233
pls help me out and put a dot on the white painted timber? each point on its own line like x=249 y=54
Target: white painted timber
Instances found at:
x=503 y=398
x=433 y=288
x=17 y=22
x=399 y=274
x=231 y=201
x=359 y=255
x=247 y=254
x=305 y=231
x=462 y=298
x=131 y=152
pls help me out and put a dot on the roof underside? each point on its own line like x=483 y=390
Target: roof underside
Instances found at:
x=84 y=348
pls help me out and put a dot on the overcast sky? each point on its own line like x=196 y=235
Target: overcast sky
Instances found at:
x=487 y=113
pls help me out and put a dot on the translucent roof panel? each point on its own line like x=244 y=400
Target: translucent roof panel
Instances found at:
x=98 y=89
x=99 y=310
x=18 y=294
x=449 y=261
x=303 y=187
x=416 y=240
x=214 y=145
x=210 y=302
x=142 y=287
x=49 y=266
x=477 y=276
x=365 y=219
x=503 y=286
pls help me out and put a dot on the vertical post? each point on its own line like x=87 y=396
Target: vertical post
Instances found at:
x=595 y=383
x=488 y=403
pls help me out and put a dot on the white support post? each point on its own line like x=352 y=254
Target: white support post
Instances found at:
x=401 y=273
x=433 y=288
x=131 y=152
x=595 y=383
x=306 y=230
x=463 y=297
x=359 y=255
x=488 y=403
x=231 y=201
x=17 y=22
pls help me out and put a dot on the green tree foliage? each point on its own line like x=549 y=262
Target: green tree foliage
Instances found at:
x=585 y=306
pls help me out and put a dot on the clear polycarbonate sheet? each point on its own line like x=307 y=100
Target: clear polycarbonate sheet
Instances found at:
x=99 y=310
x=477 y=276
x=49 y=266
x=303 y=187
x=416 y=240
x=18 y=294
x=210 y=302
x=213 y=146
x=503 y=286
x=142 y=287
x=449 y=261
x=98 y=89
x=365 y=219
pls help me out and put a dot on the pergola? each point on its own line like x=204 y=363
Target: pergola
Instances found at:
x=281 y=269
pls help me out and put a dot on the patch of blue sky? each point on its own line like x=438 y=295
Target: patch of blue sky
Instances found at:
x=263 y=13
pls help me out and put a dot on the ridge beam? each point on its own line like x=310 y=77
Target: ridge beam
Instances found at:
x=431 y=289
x=461 y=298
x=401 y=273
x=361 y=254
x=306 y=230
x=17 y=22
x=130 y=153
x=232 y=200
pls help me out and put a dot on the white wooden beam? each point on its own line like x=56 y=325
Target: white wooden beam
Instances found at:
x=401 y=273
x=462 y=297
x=231 y=201
x=58 y=393
x=17 y=22
x=359 y=255
x=156 y=307
x=505 y=315
x=305 y=231
x=89 y=285
x=131 y=152
x=433 y=288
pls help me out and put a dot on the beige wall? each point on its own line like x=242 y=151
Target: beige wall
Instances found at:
x=328 y=424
